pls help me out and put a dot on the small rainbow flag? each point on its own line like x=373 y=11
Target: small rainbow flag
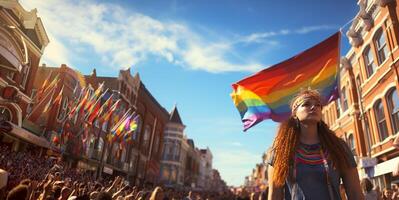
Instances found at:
x=267 y=94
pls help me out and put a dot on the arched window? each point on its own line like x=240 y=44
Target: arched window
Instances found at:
x=393 y=106
x=5 y=114
x=369 y=61
x=100 y=144
x=344 y=100
x=146 y=137
x=338 y=108
x=156 y=144
x=165 y=172
x=381 y=46
x=123 y=155
x=381 y=121
x=369 y=137
x=351 y=143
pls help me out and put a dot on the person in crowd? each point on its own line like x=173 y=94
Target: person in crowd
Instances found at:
x=189 y=196
x=367 y=187
x=157 y=194
x=21 y=192
x=387 y=194
x=395 y=191
x=308 y=159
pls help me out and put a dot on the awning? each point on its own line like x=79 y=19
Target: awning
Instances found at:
x=28 y=136
x=385 y=167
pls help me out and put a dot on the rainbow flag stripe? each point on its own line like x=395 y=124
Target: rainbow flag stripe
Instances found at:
x=267 y=94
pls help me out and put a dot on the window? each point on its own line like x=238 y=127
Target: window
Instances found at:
x=393 y=106
x=24 y=75
x=351 y=143
x=344 y=100
x=338 y=107
x=139 y=125
x=10 y=75
x=380 y=118
x=146 y=137
x=133 y=161
x=358 y=83
x=100 y=144
x=5 y=114
x=369 y=61
x=156 y=144
x=381 y=46
x=30 y=106
x=369 y=137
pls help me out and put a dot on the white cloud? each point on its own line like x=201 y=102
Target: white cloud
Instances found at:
x=259 y=37
x=56 y=53
x=125 y=38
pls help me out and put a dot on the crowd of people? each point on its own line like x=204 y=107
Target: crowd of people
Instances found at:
x=32 y=175
x=374 y=193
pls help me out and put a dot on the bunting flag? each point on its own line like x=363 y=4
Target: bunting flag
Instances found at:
x=42 y=106
x=108 y=115
x=48 y=105
x=267 y=94
x=123 y=125
x=50 y=86
x=93 y=113
x=82 y=103
x=57 y=100
x=131 y=129
x=44 y=86
x=120 y=123
x=93 y=99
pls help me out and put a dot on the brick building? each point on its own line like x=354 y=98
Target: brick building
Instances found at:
x=22 y=42
x=139 y=159
x=366 y=115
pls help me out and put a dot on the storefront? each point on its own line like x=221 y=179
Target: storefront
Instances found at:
x=381 y=173
x=19 y=138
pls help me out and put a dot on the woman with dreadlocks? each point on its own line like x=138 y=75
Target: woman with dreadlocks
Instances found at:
x=308 y=160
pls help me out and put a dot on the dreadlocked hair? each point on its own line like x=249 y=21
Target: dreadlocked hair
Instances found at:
x=335 y=146
x=284 y=148
x=286 y=141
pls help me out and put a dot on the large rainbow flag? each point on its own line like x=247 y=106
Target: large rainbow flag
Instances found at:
x=267 y=94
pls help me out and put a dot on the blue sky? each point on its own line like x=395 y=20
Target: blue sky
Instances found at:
x=189 y=53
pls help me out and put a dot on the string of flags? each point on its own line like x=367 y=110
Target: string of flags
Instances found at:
x=99 y=106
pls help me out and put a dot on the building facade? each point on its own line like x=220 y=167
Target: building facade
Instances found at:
x=22 y=42
x=205 y=169
x=366 y=115
x=172 y=168
x=138 y=159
